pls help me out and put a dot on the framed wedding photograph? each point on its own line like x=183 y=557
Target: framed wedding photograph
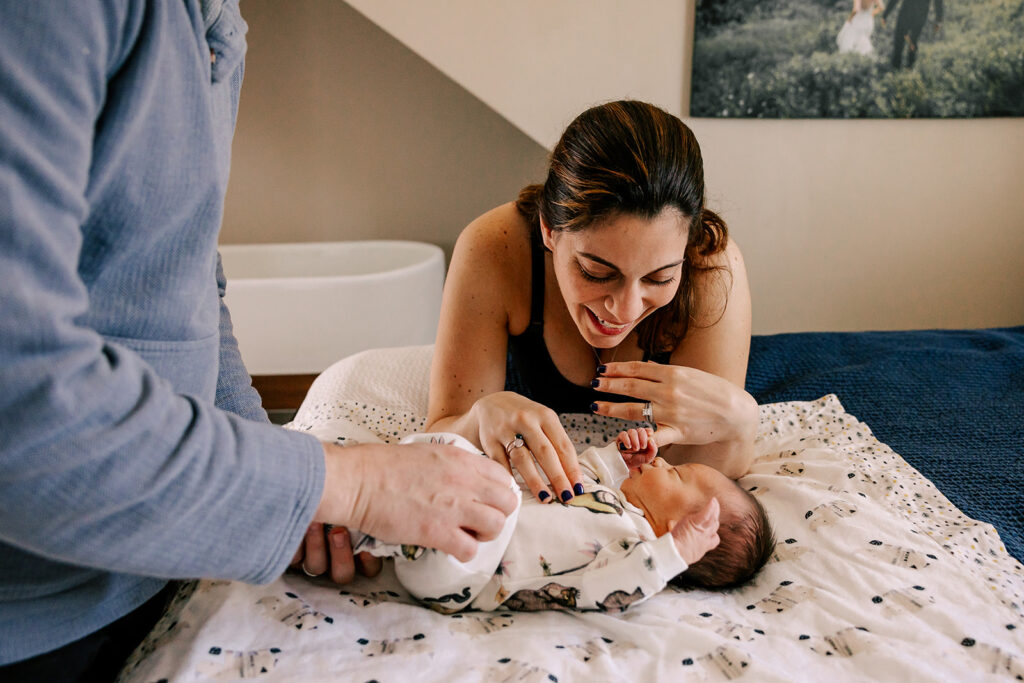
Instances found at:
x=858 y=59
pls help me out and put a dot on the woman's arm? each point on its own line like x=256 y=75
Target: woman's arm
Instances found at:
x=472 y=334
x=722 y=349
x=486 y=296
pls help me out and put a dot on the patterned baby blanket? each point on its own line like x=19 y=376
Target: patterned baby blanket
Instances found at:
x=877 y=576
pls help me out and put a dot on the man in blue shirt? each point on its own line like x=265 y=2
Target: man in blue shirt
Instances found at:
x=133 y=448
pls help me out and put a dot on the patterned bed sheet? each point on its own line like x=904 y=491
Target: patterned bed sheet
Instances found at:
x=877 y=576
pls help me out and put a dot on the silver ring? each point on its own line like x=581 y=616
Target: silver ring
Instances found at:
x=648 y=412
x=515 y=443
x=307 y=572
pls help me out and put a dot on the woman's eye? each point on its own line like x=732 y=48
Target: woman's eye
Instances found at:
x=660 y=283
x=587 y=275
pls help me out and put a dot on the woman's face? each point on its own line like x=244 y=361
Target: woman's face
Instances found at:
x=615 y=273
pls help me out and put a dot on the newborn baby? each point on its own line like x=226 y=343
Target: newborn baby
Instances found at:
x=639 y=524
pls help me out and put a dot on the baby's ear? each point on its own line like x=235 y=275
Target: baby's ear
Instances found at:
x=708 y=517
x=706 y=520
x=696 y=534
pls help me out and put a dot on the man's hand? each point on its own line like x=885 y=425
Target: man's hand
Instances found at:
x=326 y=548
x=427 y=494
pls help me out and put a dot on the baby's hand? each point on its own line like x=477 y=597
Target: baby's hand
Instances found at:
x=637 y=446
x=697 y=534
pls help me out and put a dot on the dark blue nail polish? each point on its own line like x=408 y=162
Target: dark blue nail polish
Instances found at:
x=543 y=495
x=593 y=407
x=622 y=446
x=566 y=496
x=578 y=489
x=601 y=369
x=595 y=382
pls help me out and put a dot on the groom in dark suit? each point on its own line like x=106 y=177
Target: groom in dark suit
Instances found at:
x=909 y=24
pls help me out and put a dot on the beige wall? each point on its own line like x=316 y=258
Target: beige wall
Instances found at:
x=343 y=133
x=346 y=134
x=874 y=224
x=540 y=62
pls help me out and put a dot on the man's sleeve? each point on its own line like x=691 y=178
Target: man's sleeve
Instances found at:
x=102 y=463
x=235 y=392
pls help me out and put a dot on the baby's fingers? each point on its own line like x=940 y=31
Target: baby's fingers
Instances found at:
x=642 y=436
x=623 y=439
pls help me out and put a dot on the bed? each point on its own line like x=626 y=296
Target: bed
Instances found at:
x=892 y=464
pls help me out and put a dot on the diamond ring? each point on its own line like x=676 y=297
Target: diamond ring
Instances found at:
x=515 y=443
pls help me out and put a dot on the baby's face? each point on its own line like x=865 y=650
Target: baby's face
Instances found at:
x=668 y=493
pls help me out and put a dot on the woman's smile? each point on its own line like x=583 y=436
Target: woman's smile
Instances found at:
x=607 y=327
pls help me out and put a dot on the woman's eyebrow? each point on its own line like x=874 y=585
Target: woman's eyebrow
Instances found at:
x=609 y=264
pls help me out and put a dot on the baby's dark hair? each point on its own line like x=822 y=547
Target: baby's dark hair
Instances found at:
x=746 y=542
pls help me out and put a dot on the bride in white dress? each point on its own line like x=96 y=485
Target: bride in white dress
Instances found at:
x=855 y=35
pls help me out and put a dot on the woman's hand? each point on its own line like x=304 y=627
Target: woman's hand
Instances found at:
x=702 y=409
x=502 y=417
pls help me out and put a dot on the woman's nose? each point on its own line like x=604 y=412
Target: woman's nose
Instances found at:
x=627 y=304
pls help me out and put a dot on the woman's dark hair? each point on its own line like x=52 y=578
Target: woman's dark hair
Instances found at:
x=631 y=158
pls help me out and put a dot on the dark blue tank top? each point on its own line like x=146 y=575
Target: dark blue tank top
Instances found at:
x=529 y=369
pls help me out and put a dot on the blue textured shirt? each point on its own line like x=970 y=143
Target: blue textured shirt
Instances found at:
x=132 y=447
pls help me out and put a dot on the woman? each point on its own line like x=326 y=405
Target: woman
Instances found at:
x=855 y=35
x=553 y=303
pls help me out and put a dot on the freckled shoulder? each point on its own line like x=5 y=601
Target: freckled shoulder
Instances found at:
x=493 y=253
x=486 y=297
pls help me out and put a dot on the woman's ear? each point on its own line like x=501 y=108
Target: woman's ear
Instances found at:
x=546 y=234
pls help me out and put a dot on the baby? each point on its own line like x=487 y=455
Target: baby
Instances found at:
x=640 y=524
x=745 y=532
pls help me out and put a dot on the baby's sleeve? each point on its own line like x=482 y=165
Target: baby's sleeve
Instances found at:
x=607 y=464
x=626 y=573
x=436 y=578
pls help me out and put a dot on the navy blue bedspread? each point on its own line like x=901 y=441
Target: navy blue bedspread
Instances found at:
x=951 y=402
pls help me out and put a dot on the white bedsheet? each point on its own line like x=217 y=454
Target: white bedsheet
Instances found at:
x=877 y=576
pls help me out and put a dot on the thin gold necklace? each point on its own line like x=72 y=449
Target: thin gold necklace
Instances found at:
x=597 y=355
